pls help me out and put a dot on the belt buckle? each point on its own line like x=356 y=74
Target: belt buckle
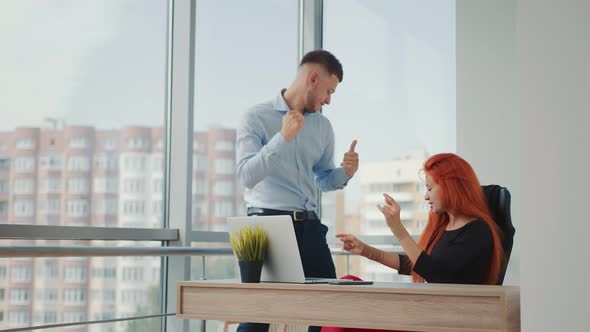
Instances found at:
x=295 y=216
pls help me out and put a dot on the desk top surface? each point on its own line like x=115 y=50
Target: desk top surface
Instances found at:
x=377 y=287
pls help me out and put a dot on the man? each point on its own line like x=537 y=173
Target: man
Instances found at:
x=285 y=151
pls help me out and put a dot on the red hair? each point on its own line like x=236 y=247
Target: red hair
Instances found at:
x=461 y=194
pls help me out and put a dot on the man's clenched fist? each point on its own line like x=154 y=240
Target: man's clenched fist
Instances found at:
x=293 y=121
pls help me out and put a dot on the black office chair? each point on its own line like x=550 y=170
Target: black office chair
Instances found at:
x=499 y=204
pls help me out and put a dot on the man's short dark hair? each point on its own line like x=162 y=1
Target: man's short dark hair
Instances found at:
x=326 y=60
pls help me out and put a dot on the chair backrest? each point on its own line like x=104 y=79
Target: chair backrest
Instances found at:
x=498 y=199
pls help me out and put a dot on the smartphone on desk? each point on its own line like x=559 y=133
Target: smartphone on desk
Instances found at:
x=349 y=282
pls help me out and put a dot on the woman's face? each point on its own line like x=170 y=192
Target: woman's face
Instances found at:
x=432 y=195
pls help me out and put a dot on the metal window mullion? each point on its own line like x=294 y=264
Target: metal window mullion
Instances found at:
x=310 y=26
x=310 y=38
x=179 y=153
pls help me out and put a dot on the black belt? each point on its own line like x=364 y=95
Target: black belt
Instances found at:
x=295 y=215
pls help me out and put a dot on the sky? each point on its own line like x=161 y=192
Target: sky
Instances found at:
x=102 y=63
x=98 y=63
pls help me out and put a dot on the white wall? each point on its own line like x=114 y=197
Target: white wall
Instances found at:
x=487 y=117
x=547 y=129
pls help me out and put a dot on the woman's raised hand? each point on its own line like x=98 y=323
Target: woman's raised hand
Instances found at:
x=391 y=211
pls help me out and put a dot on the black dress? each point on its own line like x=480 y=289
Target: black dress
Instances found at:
x=461 y=256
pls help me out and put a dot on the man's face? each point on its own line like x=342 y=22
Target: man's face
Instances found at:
x=321 y=86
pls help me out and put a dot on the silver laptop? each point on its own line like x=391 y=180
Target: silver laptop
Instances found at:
x=282 y=263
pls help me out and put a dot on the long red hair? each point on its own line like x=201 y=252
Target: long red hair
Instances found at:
x=461 y=194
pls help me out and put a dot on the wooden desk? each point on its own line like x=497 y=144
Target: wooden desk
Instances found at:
x=398 y=306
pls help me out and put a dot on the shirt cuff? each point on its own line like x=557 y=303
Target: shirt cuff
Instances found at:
x=341 y=178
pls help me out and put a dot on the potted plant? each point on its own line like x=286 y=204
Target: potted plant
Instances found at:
x=250 y=245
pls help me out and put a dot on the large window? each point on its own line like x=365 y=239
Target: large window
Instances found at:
x=84 y=85
x=84 y=144
x=241 y=60
x=397 y=99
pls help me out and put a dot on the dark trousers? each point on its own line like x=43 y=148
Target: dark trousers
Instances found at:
x=315 y=257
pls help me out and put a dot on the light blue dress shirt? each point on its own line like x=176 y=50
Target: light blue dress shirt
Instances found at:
x=285 y=175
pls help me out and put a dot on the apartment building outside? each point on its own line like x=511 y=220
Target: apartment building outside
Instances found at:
x=402 y=180
x=83 y=176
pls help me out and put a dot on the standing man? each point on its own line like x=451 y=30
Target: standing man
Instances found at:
x=285 y=152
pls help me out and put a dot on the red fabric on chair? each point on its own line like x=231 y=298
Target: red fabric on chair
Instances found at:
x=351 y=329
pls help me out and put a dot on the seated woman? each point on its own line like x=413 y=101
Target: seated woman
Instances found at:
x=461 y=244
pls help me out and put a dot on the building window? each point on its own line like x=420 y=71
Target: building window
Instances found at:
x=3 y=186
x=24 y=208
x=133 y=296
x=134 y=163
x=200 y=163
x=50 y=206
x=3 y=208
x=134 y=185
x=78 y=143
x=4 y=164
x=52 y=270
x=223 y=209
x=74 y=316
x=77 y=208
x=50 y=185
x=224 y=166
x=158 y=164
x=25 y=143
x=50 y=295
x=106 y=185
x=24 y=164
x=21 y=274
x=104 y=295
x=51 y=162
x=104 y=273
x=200 y=186
x=133 y=274
x=223 y=188
x=78 y=163
x=74 y=274
x=105 y=206
x=133 y=207
x=225 y=146
x=18 y=318
x=138 y=143
x=74 y=296
x=49 y=317
x=109 y=144
x=20 y=296
x=2 y=272
x=157 y=208
x=105 y=162
x=158 y=185
x=24 y=186
x=77 y=185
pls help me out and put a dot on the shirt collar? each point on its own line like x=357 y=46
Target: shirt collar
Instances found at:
x=279 y=103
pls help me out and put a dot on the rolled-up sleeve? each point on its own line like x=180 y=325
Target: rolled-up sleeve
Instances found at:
x=405 y=265
x=328 y=176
